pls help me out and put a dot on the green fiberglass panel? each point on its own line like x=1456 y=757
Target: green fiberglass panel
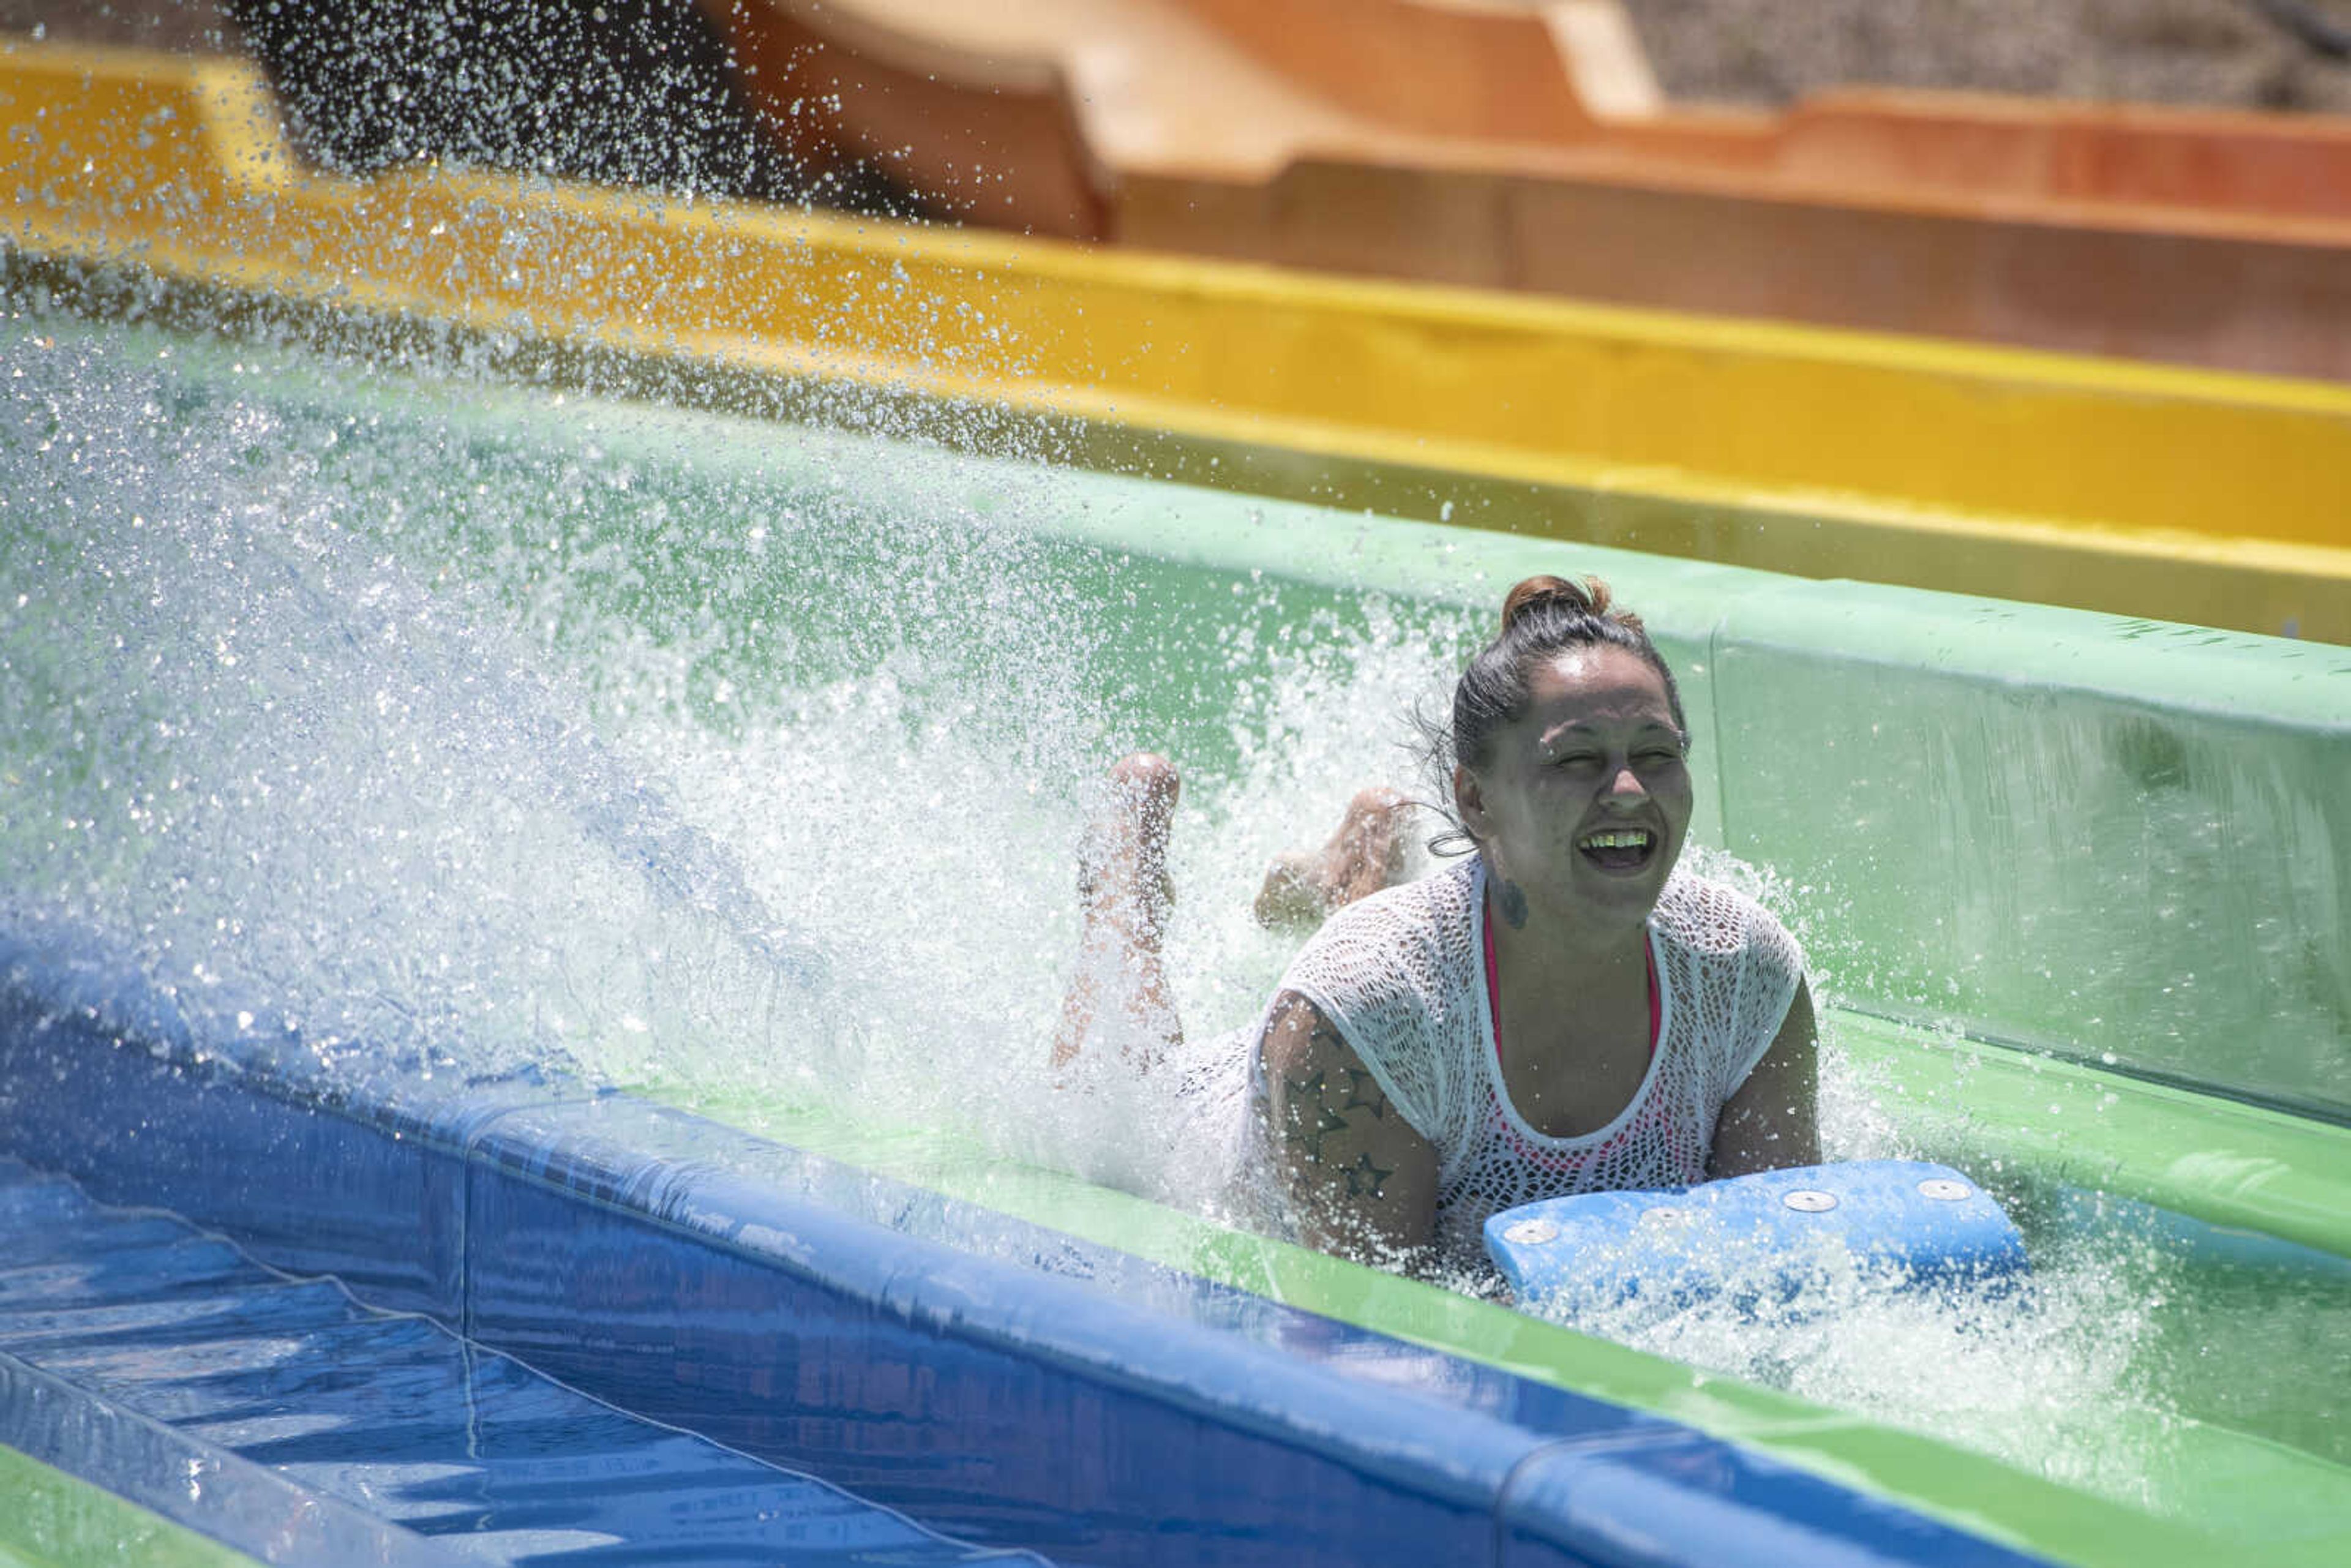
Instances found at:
x=392 y=602
x=747 y=558
x=2118 y=839
x=51 y=1519
x=2127 y=842
x=2244 y=1169
x=2115 y=838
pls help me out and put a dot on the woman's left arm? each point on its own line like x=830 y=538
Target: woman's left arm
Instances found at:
x=1772 y=1121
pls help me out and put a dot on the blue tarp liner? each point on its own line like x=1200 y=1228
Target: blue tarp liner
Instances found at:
x=391 y=1413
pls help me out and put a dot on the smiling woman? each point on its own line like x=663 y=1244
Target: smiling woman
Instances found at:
x=1562 y=1012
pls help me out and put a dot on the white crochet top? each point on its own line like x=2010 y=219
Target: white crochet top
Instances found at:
x=1402 y=976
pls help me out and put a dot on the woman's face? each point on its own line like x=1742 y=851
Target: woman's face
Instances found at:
x=1586 y=797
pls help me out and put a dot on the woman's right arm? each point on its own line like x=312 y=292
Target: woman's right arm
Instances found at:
x=1361 y=1183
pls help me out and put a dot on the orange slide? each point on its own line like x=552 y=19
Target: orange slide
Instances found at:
x=1523 y=147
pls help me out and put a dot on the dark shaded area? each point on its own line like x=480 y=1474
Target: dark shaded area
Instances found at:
x=616 y=92
x=620 y=92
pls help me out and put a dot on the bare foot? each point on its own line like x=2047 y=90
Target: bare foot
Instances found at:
x=1366 y=854
x=1122 y=877
x=1126 y=893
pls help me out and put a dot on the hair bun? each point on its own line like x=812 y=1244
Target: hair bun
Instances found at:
x=1589 y=597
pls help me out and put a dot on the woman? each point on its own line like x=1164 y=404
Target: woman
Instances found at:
x=1560 y=1013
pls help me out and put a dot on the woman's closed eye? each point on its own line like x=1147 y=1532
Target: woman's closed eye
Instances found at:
x=1647 y=759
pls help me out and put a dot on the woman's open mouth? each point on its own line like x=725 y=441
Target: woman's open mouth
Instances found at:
x=1618 y=848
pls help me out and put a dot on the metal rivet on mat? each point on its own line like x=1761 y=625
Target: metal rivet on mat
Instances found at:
x=1809 y=1200
x=1530 y=1233
x=1943 y=1189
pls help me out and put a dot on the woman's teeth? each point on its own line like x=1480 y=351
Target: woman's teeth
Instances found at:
x=1623 y=839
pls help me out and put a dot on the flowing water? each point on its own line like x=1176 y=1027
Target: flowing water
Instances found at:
x=467 y=725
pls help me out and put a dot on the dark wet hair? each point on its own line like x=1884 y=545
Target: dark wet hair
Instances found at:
x=1543 y=617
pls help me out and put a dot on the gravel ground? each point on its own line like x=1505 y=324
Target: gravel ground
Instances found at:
x=2224 y=53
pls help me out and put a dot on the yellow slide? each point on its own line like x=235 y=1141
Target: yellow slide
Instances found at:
x=2217 y=499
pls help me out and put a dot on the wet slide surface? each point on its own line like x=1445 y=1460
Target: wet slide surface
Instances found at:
x=397 y=1441
x=648 y=508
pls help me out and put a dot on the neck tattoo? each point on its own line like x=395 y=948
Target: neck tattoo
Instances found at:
x=1512 y=900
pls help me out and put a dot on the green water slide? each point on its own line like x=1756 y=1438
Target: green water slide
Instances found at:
x=2073 y=887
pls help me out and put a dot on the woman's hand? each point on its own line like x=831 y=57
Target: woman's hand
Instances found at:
x=1771 y=1121
x=1361 y=1182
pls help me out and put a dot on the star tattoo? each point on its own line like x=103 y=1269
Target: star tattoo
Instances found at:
x=1303 y=1093
x=1364 y=1179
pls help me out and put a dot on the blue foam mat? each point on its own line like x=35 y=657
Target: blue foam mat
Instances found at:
x=1758 y=1240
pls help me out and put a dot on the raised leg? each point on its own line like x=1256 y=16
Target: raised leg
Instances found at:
x=1366 y=854
x=1120 y=994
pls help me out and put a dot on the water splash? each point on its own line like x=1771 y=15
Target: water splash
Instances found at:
x=469 y=727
